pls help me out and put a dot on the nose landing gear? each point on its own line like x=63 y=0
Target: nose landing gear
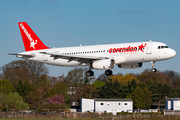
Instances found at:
x=154 y=69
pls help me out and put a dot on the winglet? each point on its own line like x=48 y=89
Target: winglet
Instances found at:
x=30 y=39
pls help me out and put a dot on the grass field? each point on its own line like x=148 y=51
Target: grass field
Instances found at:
x=39 y=119
x=150 y=118
x=85 y=116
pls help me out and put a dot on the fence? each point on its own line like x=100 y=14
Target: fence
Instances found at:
x=78 y=115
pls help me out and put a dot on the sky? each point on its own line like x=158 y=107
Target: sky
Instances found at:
x=64 y=23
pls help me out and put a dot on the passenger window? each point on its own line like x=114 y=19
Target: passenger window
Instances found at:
x=101 y=104
x=159 y=47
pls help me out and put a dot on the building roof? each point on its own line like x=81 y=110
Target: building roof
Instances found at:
x=175 y=99
x=109 y=99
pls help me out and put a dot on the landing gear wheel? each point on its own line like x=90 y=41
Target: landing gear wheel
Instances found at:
x=89 y=73
x=153 y=64
x=154 y=70
x=108 y=72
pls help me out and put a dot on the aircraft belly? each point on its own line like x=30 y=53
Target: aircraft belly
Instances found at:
x=63 y=62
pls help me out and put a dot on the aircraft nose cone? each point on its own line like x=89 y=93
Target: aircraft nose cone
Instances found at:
x=172 y=53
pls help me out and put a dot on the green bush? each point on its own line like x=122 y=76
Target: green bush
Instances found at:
x=124 y=113
x=52 y=107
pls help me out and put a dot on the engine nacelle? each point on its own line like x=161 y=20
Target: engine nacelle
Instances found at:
x=130 y=65
x=103 y=64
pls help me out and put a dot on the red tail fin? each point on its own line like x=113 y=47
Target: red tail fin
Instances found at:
x=30 y=39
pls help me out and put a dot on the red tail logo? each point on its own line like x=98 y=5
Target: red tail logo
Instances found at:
x=30 y=39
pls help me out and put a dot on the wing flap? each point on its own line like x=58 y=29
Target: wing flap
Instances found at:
x=73 y=57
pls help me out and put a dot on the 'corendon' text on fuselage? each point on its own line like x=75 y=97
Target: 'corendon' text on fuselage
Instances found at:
x=127 y=49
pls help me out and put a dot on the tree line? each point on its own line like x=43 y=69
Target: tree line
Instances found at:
x=27 y=85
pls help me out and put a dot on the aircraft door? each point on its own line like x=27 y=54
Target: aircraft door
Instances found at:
x=45 y=58
x=149 y=48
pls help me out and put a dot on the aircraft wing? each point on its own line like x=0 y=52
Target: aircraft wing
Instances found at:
x=80 y=58
x=21 y=55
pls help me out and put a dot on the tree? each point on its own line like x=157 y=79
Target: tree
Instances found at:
x=111 y=90
x=23 y=70
x=24 y=89
x=1 y=75
x=2 y=97
x=15 y=102
x=124 y=79
x=38 y=96
x=148 y=96
x=89 y=91
x=174 y=78
x=75 y=77
x=102 y=78
x=159 y=91
x=141 y=98
x=98 y=84
x=129 y=88
x=60 y=89
x=56 y=99
x=115 y=89
x=54 y=80
x=5 y=87
x=157 y=77
x=43 y=81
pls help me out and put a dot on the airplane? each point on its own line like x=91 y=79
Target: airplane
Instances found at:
x=100 y=57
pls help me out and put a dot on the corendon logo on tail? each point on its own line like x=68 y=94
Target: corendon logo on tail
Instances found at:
x=128 y=49
x=32 y=42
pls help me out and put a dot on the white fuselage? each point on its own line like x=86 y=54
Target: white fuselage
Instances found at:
x=121 y=53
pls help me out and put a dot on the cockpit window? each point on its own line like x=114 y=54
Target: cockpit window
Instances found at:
x=162 y=47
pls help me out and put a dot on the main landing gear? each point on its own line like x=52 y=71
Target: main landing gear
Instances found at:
x=154 y=69
x=91 y=73
x=108 y=72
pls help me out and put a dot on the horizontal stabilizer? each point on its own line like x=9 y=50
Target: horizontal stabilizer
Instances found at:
x=21 y=55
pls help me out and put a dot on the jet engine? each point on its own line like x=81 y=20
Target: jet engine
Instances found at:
x=103 y=64
x=130 y=65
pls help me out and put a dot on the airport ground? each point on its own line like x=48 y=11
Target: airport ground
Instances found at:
x=152 y=118
x=98 y=117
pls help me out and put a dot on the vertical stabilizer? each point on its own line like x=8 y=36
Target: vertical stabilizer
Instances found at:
x=30 y=39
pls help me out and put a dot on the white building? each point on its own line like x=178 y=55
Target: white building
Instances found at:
x=87 y=105
x=106 y=105
x=168 y=103
x=172 y=104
